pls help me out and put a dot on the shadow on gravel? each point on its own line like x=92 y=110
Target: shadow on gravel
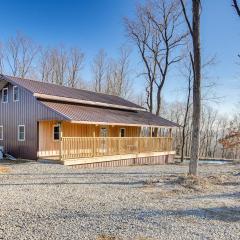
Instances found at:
x=13 y=162
x=91 y=173
x=215 y=196
x=73 y=183
x=226 y=214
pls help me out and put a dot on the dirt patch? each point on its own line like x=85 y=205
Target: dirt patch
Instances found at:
x=106 y=237
x=4 y=169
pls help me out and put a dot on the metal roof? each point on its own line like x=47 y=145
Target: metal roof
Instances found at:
x=78 y=105
x=37 y=87
x=100 y=115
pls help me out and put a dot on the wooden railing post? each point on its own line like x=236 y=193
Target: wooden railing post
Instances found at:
x=61 y=142
x=94 y=143
x=119 y=146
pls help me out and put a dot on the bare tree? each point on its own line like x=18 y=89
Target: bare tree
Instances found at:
x=44 y=65
x=189 y=88
x=99 y=67
x=20 y=53
x=123 y=84
x=158 y=37
x=194 y=30
x=119 y=83
x=140 y=32
x=61 y=60
x=53 y=65
x=75 y=65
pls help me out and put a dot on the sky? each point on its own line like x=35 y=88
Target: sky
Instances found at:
x=94 y=24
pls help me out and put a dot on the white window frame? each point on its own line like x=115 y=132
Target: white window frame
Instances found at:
x=56 y=125
x=14 y=87
x=1 y=136
x=21 y=140
x=4 y=89
x=124 y=132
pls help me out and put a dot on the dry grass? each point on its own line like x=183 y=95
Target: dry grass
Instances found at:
x=177 y=185
x=150 y=182
x=107 y=237
x=4 y=169
x=236 y=162
x=204 y=183
x=193 y=182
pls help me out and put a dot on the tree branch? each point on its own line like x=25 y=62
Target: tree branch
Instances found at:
x=236 y=6
x=186 y=17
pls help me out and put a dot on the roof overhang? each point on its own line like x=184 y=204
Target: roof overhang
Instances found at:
x=109 y=124
x=73 y=100
x=3 y=83
x=120 y=124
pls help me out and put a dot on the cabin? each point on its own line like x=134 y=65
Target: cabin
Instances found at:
x=44 y=121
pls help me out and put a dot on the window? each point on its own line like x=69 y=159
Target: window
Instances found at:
x=122 y=132
x=5 y=95
x=1 y=132
x=15 y=93
x=21 y=133
x=56 y=132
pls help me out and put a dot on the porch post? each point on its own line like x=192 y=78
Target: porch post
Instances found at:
x=170 y=140
x=94 y=141
x=61 y=141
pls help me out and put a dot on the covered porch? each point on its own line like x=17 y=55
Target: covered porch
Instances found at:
x=80 y=143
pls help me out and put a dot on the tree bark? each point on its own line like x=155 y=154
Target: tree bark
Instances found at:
x=193 y=166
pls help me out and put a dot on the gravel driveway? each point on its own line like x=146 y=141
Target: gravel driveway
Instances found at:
x=47 y=201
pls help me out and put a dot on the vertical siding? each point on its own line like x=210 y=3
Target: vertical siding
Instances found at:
x=27 y=111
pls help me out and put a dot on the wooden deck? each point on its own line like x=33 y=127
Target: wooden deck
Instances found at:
x=83 y=144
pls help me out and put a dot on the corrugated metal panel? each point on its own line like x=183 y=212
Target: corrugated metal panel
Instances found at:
x=62 y=91
x=106 y=115
x=27 y=111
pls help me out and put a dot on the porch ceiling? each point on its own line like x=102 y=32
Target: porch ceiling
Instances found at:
x=98 y=115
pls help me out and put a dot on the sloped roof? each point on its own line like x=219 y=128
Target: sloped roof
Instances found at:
x=37 y=87
x=88 y=107
x=90 y=114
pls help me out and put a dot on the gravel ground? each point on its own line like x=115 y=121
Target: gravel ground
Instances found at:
x=47 y=201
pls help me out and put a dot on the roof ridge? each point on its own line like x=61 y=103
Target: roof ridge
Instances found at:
x=55 y=84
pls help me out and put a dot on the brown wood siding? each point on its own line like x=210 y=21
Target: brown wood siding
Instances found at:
x=49 y=147
x=27 y=111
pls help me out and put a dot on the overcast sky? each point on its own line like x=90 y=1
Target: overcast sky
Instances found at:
x=95 y=24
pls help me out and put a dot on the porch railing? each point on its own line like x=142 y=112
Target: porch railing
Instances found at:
x=83 y=147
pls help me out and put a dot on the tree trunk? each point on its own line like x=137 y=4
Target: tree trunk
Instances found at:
x=193 y=166
x=185 y=118
x=159 y=100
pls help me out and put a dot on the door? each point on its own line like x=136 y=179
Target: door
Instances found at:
x=103 y=140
